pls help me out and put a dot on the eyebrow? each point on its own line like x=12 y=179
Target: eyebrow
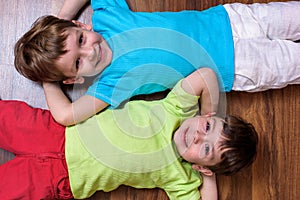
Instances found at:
x=77 y=33
x=214 y=121
x=217 y=149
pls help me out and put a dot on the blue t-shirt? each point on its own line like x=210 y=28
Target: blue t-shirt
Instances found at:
x=153 y=50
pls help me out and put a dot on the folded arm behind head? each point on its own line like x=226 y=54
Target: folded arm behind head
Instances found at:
x=203 y=82
x=241 y=138
x=70 y=8
x=66 y=112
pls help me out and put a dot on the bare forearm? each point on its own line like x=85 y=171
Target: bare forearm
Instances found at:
x=203 y=83
x=69 y=113
x=70 y=8
x=209 y=190
x=59 y=105
x=210 y=96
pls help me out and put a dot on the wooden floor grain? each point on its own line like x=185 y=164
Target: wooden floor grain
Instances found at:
x=275 y=173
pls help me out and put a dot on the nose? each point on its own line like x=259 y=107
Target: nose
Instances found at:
x=198 y=137
x=88 y=51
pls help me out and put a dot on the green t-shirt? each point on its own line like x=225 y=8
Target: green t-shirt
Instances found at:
x=133 y=146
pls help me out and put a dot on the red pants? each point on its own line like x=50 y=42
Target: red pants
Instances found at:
x=39 y=170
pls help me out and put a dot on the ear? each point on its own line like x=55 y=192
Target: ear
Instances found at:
x=74 y=80
x=202 y=170
x=82 y=25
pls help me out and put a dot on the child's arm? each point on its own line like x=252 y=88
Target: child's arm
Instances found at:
x=203 y=82
x=67 y=113
x=209 y=189
x=70 y=8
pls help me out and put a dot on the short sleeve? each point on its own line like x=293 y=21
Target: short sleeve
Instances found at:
x=184 y=185
x=180 y=103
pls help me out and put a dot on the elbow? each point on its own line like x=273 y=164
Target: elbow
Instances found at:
x=207 y=72
x=64 y=119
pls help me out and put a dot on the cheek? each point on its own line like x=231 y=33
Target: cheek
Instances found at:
x=192 y=155
x=201 y=152
x=182 y=150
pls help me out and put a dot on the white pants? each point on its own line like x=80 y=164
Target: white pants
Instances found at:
x=266 y=54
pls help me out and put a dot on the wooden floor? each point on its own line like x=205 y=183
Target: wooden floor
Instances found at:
x=276 y=172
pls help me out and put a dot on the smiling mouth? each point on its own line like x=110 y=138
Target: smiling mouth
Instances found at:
x=100 y=52
x=185 y=138
x=99 y=56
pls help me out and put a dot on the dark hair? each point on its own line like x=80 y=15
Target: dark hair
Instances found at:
x=239 y=146
x=37 y=51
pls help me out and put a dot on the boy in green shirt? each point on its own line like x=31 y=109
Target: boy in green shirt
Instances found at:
x=143 y=144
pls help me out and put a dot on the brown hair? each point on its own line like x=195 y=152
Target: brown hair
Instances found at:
x=37 y=51
x=240 y=146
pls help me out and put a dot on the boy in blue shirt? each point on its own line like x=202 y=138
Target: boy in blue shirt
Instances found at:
x=140 y=53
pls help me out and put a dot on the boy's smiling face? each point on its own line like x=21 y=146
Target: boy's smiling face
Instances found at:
x=198 y=140
x=87 y=53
